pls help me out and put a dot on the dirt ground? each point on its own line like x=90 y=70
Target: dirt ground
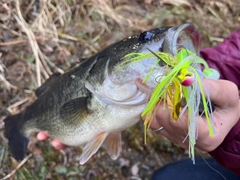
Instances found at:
x=67 y=31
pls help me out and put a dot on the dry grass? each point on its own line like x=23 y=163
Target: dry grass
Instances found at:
x=38 y=38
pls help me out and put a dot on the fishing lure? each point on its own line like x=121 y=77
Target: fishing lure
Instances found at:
x=181 y=81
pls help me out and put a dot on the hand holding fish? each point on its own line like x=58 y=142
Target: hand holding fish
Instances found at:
x=224 y=94
x=55 y=143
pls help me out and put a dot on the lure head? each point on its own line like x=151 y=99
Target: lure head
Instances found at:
x=186 y=77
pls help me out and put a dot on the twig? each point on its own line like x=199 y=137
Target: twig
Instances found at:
x=52 y=64
x=44 y=67
x=28 y=8
x=64 y=157
x=78 y=40
x=218 y=39
x=6 y=83
x=17 y=104
x=10 y=30
x=32 y=40
x=18 y=167
x=2 y=154
x=9 y=43
x=215 y=14
x=155 y=155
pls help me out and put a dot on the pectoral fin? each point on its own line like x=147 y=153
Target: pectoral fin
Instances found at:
x=113 y=145
x=75 y=109
x=92 y=147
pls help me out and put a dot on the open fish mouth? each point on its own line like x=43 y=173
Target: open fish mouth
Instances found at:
x=185 y=36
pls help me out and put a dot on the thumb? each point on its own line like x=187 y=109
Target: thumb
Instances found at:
x=218 y=92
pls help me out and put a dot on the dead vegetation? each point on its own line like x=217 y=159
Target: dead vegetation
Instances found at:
x=38 y=38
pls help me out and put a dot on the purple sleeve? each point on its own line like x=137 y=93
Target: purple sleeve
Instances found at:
x=226 y=59
x=228 y=153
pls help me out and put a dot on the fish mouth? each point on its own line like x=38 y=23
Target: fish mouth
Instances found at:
x=184 y=36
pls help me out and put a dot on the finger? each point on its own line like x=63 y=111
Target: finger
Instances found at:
x=42 y=136
x=161 y=117
x=155 y=123
x=58 y=145
x=223 y=93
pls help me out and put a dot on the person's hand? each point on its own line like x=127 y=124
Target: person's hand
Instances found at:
x=224 y=95
x=55 y=143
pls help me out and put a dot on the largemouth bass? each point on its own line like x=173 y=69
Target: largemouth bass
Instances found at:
x=105 y=94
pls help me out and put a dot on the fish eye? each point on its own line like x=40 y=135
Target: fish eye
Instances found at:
x=145 y=36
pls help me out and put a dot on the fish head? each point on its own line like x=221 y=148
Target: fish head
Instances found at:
x=165 y=39
x=124 y=79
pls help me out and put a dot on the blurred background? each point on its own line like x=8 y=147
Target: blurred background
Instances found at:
x=67 y=31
